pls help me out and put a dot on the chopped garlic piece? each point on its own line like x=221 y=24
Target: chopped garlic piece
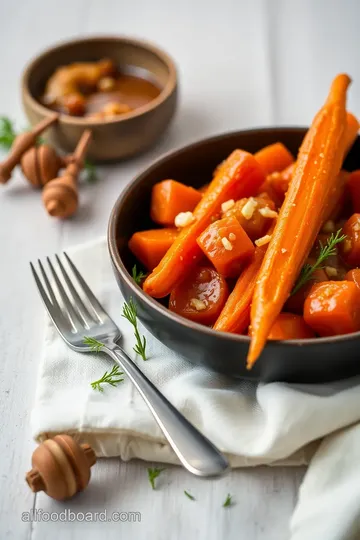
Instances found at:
x=283 y=250
x=232 y=236
x=199 y=305
x=227 y=205
x=183 y=219
x=268 y=213
x=331 y=271
x=249 y=208
x=226 y=243
x=329 y=226
x=263 y=240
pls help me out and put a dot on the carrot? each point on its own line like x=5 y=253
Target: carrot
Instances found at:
x=333 y=308
x=240 y=175
x=290 y=326
x=301 y=215
x=251 y=216
x=150 y=246
x=169 y=198
x=274 y=158
x=235 y=316
x=350 y=248
x=201 y=296
x=354 y=275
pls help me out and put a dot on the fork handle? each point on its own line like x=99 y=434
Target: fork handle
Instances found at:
x=195 y=451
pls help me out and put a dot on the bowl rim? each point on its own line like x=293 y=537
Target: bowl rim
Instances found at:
x=152 y=302
x=67 y=119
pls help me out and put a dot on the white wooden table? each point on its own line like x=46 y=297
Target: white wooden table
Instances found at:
x=241 y=64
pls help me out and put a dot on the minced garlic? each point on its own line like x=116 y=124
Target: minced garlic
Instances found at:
x=267 y=212
x=331 y=271
x=232 y=236
x=226 y=243
x=183 y=219
x=249 y=208
x=199 y=305
x=283 y=250
x=263 y=240
x=227 y=205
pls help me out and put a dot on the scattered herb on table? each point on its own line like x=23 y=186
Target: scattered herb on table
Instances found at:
x=90 y=171
x=113 y=378
x=94 y=344
x=326 y=251
x=228 y=501
x=137 y=275
x=130 y=313
x=7 y=132
x=189 y=496
x=153 y=473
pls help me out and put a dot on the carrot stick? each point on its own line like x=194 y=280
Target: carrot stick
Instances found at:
x=235 y=315
x=274 y=158
x=239 y=176
x=315 y=175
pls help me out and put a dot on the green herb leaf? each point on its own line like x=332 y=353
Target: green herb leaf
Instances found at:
x=7 y=133
x=94 y=344
x=189 y=496
x=137 y=276
x=91 y=172
x=153 y=473
x=113 y=378
x=228 y=501
x=325 y=251
x=130 y=313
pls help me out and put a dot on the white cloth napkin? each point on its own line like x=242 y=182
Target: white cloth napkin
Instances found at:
x=253 y=424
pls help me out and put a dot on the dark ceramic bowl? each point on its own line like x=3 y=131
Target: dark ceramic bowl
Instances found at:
x=312 y=360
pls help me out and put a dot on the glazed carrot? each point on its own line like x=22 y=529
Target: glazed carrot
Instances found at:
x=354 y=275
x=239 y=175
x=252 y=216
x=150 y=246
x=274 y=158
x=169 y=198
x=350 y=248
x=301 y=215
x=235 y=316
x=290 y=326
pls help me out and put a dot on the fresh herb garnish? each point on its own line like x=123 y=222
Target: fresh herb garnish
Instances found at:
x=137 y=276
x=94 y=344
x=90 y=171
x=130 y=313
x=113 y=378
x=7 y=132
x=326 y=251
x=189 y=496
x=153 y=473
x=228 y=501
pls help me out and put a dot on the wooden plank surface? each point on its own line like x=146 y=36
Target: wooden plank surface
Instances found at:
x=241 y=64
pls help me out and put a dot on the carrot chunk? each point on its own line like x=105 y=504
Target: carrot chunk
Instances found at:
x=333 y=308
x=290 y=326
x=302 y=213
x=238 y=176
x=201 y=296
x=295 y=303
x=354 y=275
x=150 y=246
x=252 y=216
x=169 y=198
x=354 y=188
x=350 y=248
x=274 y=158
x=226 y=245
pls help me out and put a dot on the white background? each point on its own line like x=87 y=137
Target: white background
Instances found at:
x=241 y=64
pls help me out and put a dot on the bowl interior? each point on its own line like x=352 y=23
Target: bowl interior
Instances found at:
x=135 y=57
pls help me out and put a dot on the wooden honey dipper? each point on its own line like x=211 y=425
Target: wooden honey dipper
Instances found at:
x=60 y=467
x=22 y=143
x=60 y=196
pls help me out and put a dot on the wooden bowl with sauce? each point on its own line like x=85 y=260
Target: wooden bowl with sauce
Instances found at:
x=145 y=81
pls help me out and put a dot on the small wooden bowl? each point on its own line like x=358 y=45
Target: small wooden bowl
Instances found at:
x=119 y=137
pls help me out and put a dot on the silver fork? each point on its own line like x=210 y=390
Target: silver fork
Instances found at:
x=75 y=319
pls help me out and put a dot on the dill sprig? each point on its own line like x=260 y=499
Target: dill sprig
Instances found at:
x=130 y=313
x=189 y=496
x=7 y=132
x=228 y=501
x=153 y=473
x=326 y=251
x=94 y=344
x=137 y=275
x=113 y=378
